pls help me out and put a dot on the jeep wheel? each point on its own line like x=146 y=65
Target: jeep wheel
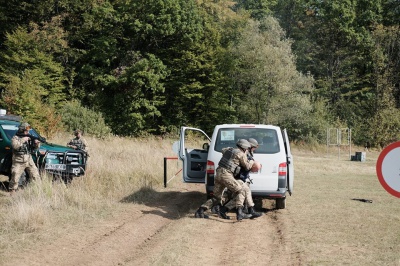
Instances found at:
x=67 y=179
x=280 y=203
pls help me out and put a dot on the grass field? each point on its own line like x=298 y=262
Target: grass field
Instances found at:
x=323 y=222
x=331 y=228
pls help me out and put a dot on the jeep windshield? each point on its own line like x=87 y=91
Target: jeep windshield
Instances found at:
x=11 y=130
x=267 y=139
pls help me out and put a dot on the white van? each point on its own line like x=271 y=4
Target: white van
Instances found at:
x=273 y=181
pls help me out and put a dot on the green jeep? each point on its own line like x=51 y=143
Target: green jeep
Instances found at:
x=60 y=161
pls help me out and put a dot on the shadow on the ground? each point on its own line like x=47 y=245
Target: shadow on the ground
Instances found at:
x=168 y=204
x=176 y=204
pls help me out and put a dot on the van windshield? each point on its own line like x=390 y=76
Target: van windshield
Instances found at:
x=267 y=139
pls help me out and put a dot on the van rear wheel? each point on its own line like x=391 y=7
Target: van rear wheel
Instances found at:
x=280 y=203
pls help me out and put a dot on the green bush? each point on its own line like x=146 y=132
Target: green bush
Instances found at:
x=75 y=116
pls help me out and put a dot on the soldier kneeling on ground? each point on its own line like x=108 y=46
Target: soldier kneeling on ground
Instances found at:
x=244 y=178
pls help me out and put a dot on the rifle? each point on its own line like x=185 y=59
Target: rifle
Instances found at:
x=79 y=146
x=41 y=139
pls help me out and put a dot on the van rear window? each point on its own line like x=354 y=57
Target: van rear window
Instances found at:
x=267 y=139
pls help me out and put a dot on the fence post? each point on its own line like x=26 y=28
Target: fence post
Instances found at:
x=165 y=172
x=165 y=169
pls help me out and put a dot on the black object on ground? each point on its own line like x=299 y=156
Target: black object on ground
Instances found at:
x=364 y=200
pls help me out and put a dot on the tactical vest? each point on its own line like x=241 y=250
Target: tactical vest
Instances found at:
x=24 y=149
x=78 y=143
x=227 y=161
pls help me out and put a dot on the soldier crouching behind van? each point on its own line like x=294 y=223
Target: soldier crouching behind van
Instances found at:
x=22 y=146
x=233 y=159
x=243 y=177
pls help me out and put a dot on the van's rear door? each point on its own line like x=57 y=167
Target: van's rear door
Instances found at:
x=289 y=163
x=194 y=158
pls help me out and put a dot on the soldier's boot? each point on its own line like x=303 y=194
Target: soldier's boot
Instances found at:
x=215 y=209
x=253 y=213
x=245 y=209
x=200 y=213
x=222 y=213
x=240 y=215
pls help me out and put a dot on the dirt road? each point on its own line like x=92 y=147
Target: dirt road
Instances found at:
x=163 y=231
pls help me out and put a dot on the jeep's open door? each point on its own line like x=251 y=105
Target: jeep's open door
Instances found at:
x=289 y=163
x=194 y=157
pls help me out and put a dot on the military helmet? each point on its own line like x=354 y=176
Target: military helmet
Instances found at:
x=77 y=131
x=253 y=142
x=24 y=127
x=244 y=144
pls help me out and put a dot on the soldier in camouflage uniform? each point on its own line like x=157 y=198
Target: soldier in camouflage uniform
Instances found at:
x=244 y=178
x=233 y=159
x=78 y=143
x=22 y=146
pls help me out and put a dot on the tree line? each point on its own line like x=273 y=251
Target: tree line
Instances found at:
x=134 y=67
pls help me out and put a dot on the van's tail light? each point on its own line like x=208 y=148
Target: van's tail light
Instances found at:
x=282 y=169
x=210 y=167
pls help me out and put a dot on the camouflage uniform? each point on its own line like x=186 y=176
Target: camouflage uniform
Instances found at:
x=78 y=143
x=224 y=178
x=21 y=161
x=247 y=194
x=242 y=178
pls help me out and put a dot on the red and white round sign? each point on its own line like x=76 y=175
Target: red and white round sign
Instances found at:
x=388 y=168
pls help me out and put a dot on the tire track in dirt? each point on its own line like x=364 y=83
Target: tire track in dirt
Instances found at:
x=111 y=242
x=163 y=230
x=218 y=242
x=283 y=247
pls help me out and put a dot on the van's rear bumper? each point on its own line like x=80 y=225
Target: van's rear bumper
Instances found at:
x=281 y=193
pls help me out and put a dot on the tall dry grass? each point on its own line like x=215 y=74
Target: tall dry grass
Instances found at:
x=117 y=169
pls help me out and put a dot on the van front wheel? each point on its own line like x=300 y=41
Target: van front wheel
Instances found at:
x=280 y=203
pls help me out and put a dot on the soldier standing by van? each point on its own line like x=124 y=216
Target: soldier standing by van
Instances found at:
x=243 y=178
x=22 y=146
x=78 y=143
x=233 y=159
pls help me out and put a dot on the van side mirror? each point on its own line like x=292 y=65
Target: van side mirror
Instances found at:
x=206 y=146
